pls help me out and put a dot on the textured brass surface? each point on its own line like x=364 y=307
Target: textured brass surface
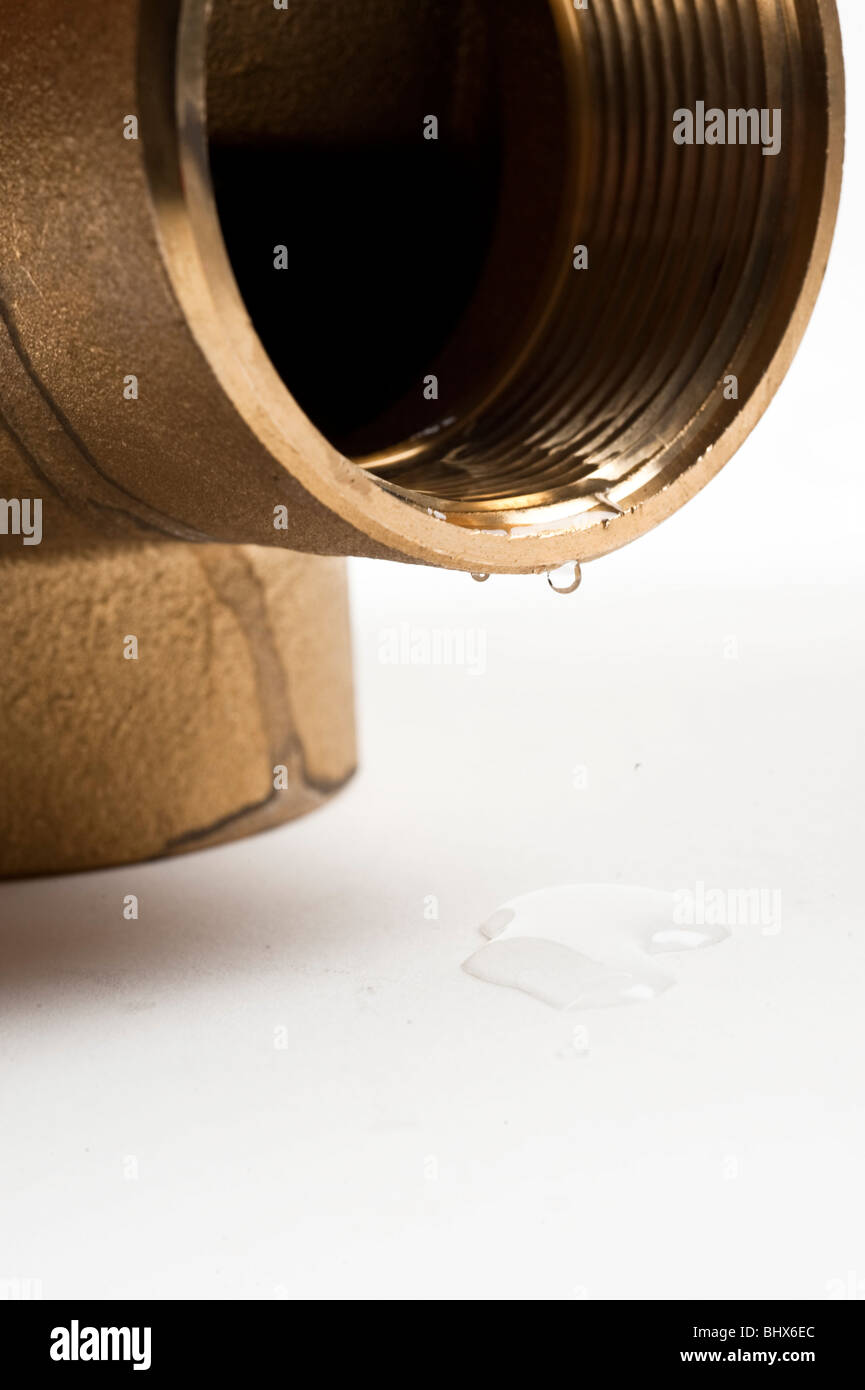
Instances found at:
x=236 y=714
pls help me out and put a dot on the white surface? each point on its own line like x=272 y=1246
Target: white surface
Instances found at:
x=421 y=1134
x=313 y=1169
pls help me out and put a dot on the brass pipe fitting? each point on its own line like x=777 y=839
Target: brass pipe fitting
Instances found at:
x=485 y=287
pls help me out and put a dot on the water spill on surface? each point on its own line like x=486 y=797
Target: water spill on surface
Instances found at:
x=561 y=976
x=587 y=946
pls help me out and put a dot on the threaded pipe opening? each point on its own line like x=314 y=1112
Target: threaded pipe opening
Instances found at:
x=595 y=285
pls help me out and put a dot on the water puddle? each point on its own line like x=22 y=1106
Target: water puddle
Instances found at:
x=587 y=946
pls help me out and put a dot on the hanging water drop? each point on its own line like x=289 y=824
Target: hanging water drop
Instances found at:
x=566 y=579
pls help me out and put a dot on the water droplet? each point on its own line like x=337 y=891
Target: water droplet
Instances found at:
x=566 y=579
x=480 y=578
x=684 y=938
x=585 y=946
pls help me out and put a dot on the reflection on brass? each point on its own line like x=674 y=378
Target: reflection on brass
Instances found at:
x=250 y=294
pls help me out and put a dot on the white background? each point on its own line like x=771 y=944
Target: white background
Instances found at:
x=422 y=1134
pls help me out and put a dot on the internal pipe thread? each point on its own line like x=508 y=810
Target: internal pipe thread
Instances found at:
x=696 y=255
